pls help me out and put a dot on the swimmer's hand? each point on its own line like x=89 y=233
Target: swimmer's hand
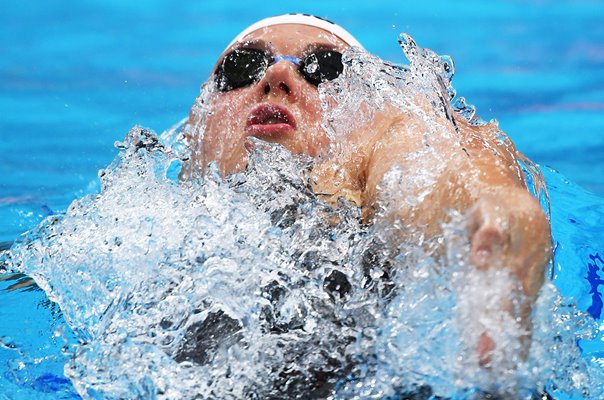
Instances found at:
x=508 y=229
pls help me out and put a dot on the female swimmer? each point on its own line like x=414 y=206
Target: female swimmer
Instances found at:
x=266 y=87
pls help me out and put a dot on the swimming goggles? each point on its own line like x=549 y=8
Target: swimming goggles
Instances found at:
x=243 y=67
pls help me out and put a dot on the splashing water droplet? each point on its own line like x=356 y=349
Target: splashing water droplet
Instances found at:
x=448 y=67
x=313 y=66
x=467 y=111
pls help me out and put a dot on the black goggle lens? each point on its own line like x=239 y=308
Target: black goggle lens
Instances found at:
x=242 y=67
x=322 y=66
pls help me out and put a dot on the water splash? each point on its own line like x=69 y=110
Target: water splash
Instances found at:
x=441 y=68
x=252 y=287
x=199 y=288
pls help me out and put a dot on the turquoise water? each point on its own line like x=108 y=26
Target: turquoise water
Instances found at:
x=75 y=77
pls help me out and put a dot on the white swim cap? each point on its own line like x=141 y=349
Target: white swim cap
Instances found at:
x=301 y=19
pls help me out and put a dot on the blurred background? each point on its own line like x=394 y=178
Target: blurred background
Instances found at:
x=75 y=76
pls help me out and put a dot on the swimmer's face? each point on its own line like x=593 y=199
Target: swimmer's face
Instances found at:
x=280 y=107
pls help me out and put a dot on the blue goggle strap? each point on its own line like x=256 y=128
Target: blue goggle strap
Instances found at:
x=291 y=59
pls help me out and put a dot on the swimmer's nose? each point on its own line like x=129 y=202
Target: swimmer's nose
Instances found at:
x=281 y=79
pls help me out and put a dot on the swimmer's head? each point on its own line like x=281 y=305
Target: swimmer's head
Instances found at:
x=266 y=81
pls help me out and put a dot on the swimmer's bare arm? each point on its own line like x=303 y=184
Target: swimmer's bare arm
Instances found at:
x=474 y=175
x=403 y=169
x=439 y=170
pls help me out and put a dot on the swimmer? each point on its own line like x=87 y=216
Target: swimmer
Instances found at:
x=267 y=81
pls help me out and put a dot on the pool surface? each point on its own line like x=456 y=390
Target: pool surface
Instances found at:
x=75 y=78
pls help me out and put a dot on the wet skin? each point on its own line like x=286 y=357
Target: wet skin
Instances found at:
x=479 y=177
x=281 y=86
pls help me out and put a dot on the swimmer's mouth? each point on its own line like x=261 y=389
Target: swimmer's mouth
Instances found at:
x=270 y=120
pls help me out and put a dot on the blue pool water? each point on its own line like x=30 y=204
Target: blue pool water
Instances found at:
x=75 y=77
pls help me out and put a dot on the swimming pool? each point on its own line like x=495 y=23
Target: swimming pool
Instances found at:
x=75 y=79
